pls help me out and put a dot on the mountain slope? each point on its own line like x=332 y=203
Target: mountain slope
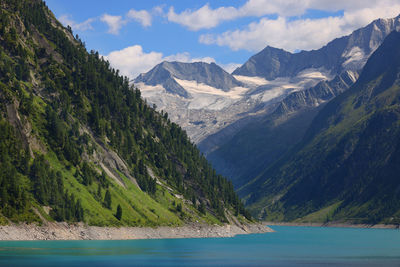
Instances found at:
x=79 y=144
x=267 y=136
x=345 y=53
x=262 y=140
x=346 y=167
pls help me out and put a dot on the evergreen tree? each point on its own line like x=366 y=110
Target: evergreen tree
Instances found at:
x=107 y=199
x=118 y=215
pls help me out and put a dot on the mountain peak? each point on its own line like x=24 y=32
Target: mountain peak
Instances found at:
x=202 y=72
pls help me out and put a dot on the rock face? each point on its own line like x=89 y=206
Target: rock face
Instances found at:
x=345 y=53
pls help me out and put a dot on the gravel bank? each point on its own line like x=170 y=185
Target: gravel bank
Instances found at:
x=64 y=231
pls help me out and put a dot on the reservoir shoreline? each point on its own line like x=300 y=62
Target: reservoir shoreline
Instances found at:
x=80 y=231
x=335 y=224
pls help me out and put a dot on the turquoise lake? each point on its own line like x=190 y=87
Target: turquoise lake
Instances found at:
x=288 y=246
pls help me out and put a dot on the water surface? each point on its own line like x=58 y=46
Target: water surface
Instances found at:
x=288 y=246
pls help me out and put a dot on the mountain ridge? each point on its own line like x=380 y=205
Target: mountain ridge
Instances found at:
x=345 y=53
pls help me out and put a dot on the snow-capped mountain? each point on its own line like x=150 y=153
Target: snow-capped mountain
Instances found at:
x=346 y=53
x=195 y=95
x=204 y=99
x=172 y=74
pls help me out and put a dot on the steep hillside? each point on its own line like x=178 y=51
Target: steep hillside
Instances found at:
x=79 y=144
x=347 y=166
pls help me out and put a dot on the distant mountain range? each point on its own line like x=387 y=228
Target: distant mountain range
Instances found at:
x=250 y=129
x=345 y=53
x=220 y=111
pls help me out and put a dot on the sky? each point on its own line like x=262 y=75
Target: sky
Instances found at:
x=137 y=35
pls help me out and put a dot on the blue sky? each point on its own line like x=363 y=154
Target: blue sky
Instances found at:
x=136 y=35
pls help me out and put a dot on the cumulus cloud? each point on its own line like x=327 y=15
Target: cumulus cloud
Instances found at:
x=132 y=60
x=114 y=23
x=83 y=26
x=203 y=18
x=144 y=17
x=303 y=34
x=141 y=16
x=185 y=57
x=206 y=17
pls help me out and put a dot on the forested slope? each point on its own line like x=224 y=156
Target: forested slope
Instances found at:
x=79 y=143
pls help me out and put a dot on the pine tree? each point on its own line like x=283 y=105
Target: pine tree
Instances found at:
x=107 y=199
x=118 y=215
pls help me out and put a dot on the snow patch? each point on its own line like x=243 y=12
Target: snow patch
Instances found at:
x=208 y=97
x=355 y=56
x=251 y=81
x=314 y=74
x=282 y=86
x=194 y=87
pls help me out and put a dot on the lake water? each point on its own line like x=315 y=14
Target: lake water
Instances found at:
x=288 y=246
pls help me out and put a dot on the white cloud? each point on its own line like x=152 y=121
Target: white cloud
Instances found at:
x=185 y=57
x=141 y=16
x=114 y=23
x=206 y=17
x=158 y=10
x=303 y=34
x=83 y=26
x=132 y=60
x=203 y=18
